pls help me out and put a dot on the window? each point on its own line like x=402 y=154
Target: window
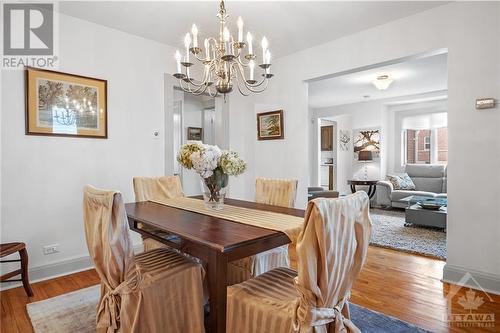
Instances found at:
x=427 y=143
x=425 y=139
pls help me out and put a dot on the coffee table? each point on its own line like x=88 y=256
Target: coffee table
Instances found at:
x=417 y=215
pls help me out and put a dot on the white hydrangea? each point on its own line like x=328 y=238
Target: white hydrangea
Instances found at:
x=231 y=163
x=205 y=161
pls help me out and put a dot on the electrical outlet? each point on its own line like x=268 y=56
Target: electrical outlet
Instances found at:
x=51 y=249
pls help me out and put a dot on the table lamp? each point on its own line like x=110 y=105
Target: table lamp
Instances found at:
x=365 y=156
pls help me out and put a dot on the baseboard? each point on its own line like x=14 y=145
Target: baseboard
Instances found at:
x=60 y=268
x=478 y=280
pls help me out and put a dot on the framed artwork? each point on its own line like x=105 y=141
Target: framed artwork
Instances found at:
x=195 y=133
x=62 y=104
x=270 y=125
x=367 y=139
x=344 y=140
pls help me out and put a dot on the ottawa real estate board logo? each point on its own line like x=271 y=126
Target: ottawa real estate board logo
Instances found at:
x=29 y=32
x=465 y=309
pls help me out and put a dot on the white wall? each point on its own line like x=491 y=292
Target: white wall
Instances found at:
x=43 y=177
x=473 y=69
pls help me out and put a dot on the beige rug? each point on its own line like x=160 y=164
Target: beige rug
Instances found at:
x=73 y=312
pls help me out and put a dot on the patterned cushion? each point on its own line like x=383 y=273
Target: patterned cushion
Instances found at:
x=401 y=182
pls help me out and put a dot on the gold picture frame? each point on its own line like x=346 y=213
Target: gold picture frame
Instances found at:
x=270 y=125
x=62 y=104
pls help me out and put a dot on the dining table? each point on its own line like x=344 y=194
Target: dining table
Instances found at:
x=215 y=241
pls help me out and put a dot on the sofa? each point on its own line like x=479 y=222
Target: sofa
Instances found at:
x=320 y=192
x=430 y=181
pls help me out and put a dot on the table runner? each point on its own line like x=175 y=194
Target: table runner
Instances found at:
x=288 y=224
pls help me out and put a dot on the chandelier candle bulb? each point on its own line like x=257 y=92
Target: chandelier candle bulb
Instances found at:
x=178 y=61
x=207 y=49
x=249 y=41
x=187 y=43
x=251 y=65
x=267 y=61
x=226 y=37
x=194 y=31
x=240 y=29
x=264 y=45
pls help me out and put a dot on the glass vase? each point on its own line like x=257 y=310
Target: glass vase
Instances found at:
x=213 y=194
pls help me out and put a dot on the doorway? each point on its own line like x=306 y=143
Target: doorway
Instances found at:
x=194 y=118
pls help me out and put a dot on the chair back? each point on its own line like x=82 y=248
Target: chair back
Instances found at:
x=331 y=250
x=107 y=234
x=149 y=188
x=277 y=192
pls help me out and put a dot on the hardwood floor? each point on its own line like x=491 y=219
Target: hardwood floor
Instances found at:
x=398 y=284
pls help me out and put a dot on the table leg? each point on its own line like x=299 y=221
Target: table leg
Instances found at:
x=353 y=188
x=217 y=282
x=371 y=191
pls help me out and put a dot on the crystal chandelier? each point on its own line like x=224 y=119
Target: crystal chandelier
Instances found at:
x=224 y=68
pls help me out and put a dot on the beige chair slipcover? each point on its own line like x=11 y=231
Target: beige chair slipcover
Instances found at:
x=277 y=192
x=331 y=251
x=151 y=188
x=150 y=292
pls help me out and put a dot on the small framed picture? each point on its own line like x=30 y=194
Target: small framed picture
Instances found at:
x=62 y=104
x=270 y=125
x=195 y=133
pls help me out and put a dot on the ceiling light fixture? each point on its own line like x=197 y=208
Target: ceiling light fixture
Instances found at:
x=382 y=82
x=221 y=57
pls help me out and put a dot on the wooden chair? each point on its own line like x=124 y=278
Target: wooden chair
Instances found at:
x=155 y=291
x=331 y=250
x=276 y=192
x=10 y=248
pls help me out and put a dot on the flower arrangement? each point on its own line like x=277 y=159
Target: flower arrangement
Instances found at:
x=214 y=166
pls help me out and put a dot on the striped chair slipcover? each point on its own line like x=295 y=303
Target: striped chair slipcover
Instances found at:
x=144 y=293
x=277 y=192
x=331 y=250
x=148 y=188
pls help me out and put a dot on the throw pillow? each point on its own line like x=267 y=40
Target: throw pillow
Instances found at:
x=401 y=182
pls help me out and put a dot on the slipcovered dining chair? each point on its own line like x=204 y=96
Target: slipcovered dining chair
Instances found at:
x=148 y=188
x=276 y=192
x=331 y=250
x=149 y=292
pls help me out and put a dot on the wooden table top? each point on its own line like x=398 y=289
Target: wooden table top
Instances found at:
x=203 y=229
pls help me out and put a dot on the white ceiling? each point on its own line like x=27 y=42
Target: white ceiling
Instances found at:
x=411 y=77
x=290 y=26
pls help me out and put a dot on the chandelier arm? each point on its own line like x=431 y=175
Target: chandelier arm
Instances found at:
x=199 y=84
x=198 y=91
x=212 y=93
x=199 y=59
x=258 y=91
x=181 y=84
x=242 y=63
x=253 y=89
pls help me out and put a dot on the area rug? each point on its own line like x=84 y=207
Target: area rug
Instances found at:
x=75 y=312
x=389 y=231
